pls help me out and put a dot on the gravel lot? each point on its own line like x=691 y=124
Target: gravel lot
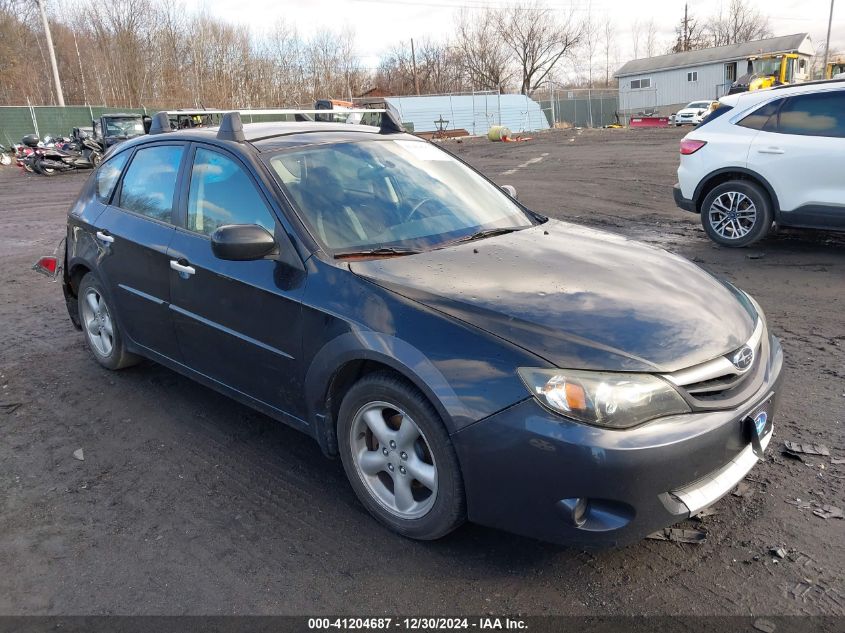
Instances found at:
x=188 y=503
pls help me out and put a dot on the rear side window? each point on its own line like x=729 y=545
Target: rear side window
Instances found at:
x=150 y=181
x=758 y=119
x=715 y=114
x=821 y=114
x=222 y=193
x=108 y=175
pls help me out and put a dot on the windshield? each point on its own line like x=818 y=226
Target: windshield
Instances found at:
x=766 y=66
x=397 y=193
x=124 y=127
x=699 y=105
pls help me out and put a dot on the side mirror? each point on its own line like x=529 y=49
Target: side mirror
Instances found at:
x=242 y=242
x=510 y=190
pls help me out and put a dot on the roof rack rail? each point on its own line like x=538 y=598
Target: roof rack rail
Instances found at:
x=231 y=126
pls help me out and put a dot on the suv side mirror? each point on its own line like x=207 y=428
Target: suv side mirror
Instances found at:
x=510 y=190
x=242 y=242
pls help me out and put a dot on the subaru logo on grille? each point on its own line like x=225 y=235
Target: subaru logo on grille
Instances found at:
x=743 y=358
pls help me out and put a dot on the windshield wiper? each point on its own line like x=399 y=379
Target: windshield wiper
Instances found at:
x=377 y=252
x=480 y=235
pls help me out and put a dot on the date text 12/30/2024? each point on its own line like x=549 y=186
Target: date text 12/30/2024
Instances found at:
x=417 y=624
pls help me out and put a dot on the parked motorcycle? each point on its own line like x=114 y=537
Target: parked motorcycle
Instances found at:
x=86 y=153
x=25 y=152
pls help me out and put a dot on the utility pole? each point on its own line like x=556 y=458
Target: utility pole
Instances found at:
x=414 y=64
x=685 y=43
x=59 y=94
x=827 y=42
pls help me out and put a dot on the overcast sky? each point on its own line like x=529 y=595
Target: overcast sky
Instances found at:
x=380 y=23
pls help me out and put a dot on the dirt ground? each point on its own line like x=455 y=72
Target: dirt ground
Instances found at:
x=188 y=503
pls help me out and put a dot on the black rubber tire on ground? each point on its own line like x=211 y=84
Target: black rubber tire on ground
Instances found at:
x=96 y=159
x=449 y=509
x=118 y=358
x=762 y=223
x=44 y=171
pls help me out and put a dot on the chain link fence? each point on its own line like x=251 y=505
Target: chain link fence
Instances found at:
x=581 y=107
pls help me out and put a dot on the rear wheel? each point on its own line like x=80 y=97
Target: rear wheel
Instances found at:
x=736 y=213
x=39 y=167
x=100 y=327
x=399 y=458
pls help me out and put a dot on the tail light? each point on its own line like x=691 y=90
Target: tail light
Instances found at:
x=691 y=146
x=47 y=265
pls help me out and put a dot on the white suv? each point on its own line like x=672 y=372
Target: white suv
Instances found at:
x=764 y=156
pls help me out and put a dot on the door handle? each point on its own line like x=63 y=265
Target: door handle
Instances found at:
x=103 y=236
x=182 y=268
x=771 y=150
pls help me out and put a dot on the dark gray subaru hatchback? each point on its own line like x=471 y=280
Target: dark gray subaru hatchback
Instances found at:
x=465 y=357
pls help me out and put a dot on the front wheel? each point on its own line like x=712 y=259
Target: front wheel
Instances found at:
x=736 y=213
x=100 y=327
x=399 y=458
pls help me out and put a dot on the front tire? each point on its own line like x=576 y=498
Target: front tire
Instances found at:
x=399 y=459
x=102 y=333
x=736 y=213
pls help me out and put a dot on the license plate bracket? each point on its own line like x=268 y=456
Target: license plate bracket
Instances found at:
x=758 y=426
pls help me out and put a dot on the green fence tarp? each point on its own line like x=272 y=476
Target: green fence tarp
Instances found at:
x=17 y=121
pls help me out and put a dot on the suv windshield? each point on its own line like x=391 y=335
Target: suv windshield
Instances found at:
x=398 y=193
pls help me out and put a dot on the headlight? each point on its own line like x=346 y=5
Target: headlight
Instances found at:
x=605 y=399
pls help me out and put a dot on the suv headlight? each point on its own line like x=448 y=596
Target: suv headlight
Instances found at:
x=613 y=400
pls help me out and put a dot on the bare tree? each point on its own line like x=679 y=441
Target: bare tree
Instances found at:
x=609 y=46
x=635 y=38
x=590 y=39
x=741 y=23
x=484 y=57
x=689 y=35
x=538 y=38
x=651 y=45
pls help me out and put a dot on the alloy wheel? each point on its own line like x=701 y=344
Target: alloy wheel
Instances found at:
x=394 y=460
x=97 y=322
x=732 y=215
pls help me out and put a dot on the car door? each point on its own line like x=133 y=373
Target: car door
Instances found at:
x=135 y=231
x=238 y=322
x=800 y=151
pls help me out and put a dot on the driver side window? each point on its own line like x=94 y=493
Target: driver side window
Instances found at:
x=222 y=193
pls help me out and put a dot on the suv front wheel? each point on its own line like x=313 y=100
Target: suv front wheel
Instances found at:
x=736 y=213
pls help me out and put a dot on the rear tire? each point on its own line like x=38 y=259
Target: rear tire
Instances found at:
x=102 y=333
x=736 y=213
x=399 y=459
x=39 y=168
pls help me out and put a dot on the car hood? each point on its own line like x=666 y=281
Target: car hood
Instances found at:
x=577 y=297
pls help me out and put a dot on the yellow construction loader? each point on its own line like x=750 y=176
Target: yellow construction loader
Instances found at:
x=765 y=71
x=835 y=68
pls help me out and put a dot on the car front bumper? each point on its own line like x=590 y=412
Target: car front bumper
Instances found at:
x=682 y=203
x=525 y=469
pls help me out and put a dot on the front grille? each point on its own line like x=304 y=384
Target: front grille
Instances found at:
x=718 y=383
